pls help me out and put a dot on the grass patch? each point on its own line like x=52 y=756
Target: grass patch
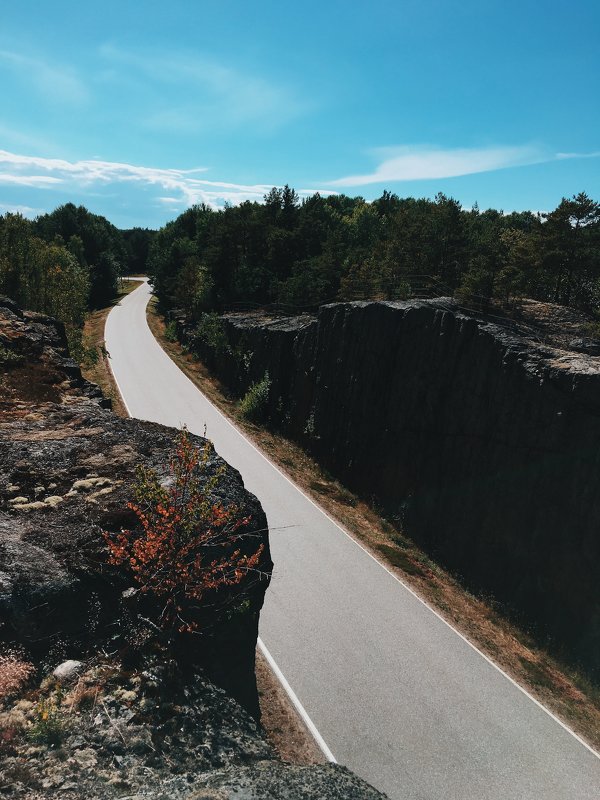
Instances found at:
x=399 y=559
x=538 y=673
x=8 y=358
x=333 y=490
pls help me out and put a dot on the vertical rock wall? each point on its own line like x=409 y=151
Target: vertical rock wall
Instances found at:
x=484 y=445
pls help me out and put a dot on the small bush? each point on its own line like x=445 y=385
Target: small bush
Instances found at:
x=209 y=331
x=188 y=551
x=14 y=674
x=255 y=401
x=171 y=331
x=49 y=726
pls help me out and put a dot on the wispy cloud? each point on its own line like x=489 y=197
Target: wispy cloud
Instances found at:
x=26 y=211
x=177 y=187
x=419 y=163
x=566 y=156
x=36 y=181
x=55 y=82
x=193 y=92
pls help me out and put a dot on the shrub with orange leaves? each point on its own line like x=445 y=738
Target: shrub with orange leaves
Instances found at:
x=15 y=671
x=188 y=548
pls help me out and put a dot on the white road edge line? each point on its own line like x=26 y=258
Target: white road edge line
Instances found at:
x=395 y=577
x=129 y=414
x=296 y=703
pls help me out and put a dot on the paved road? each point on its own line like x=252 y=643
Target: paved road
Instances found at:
x=396 y=693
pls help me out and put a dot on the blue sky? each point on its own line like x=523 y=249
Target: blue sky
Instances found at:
x=139 y=109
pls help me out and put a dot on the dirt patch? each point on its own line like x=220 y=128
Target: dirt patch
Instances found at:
x=562 y=690
x=32 y=383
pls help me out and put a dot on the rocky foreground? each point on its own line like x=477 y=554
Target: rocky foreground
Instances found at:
x=90 y=704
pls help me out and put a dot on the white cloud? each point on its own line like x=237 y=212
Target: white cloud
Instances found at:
x=26 y=211
x=53 y=82
x=37 y=181
x=565 y=156
x=182 y=186
x=427 y=163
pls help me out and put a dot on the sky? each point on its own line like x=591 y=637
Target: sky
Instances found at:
x=138 y=110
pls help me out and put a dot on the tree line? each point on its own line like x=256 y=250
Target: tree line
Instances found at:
x=320 y=249
x=301 y=253
x=66 y=262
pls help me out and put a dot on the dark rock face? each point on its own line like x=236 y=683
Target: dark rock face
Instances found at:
x=272 y=780
x=67 y=475
x=150 y=730
x=589 y=346
x=482 y=443
x=67 y=469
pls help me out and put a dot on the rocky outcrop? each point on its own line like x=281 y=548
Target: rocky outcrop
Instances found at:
x=35 y=365
x=67 y=469
x=67 y=473
x=480 y=442
x=123 y=714
x=150 y=732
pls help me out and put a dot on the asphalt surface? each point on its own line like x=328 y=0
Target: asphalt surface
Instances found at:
x=397 y=694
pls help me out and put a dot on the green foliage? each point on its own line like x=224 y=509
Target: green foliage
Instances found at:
x=42 y=276
x=255 y=402
x=82 y=351
x=171 y=331
x=477 y=286
x=93 y=241
x=210 y=332
x=137 y=244
x=49 y=726
x=65 y=262
x=572 y=254
x=304 y=253
x=8 y=358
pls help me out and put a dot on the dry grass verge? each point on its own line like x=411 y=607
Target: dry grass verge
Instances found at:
x=562 y=690
x=285 y=730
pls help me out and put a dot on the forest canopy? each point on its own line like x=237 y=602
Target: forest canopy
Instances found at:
x=302 y=253
x=66 y=262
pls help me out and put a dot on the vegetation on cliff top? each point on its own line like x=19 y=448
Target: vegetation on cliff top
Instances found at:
x=341 y=248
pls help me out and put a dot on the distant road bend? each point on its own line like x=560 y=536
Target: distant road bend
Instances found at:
x=396 y=693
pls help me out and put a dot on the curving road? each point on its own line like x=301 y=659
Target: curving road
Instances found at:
x=398 y=695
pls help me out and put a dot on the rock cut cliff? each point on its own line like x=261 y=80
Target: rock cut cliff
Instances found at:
x=482 y=443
